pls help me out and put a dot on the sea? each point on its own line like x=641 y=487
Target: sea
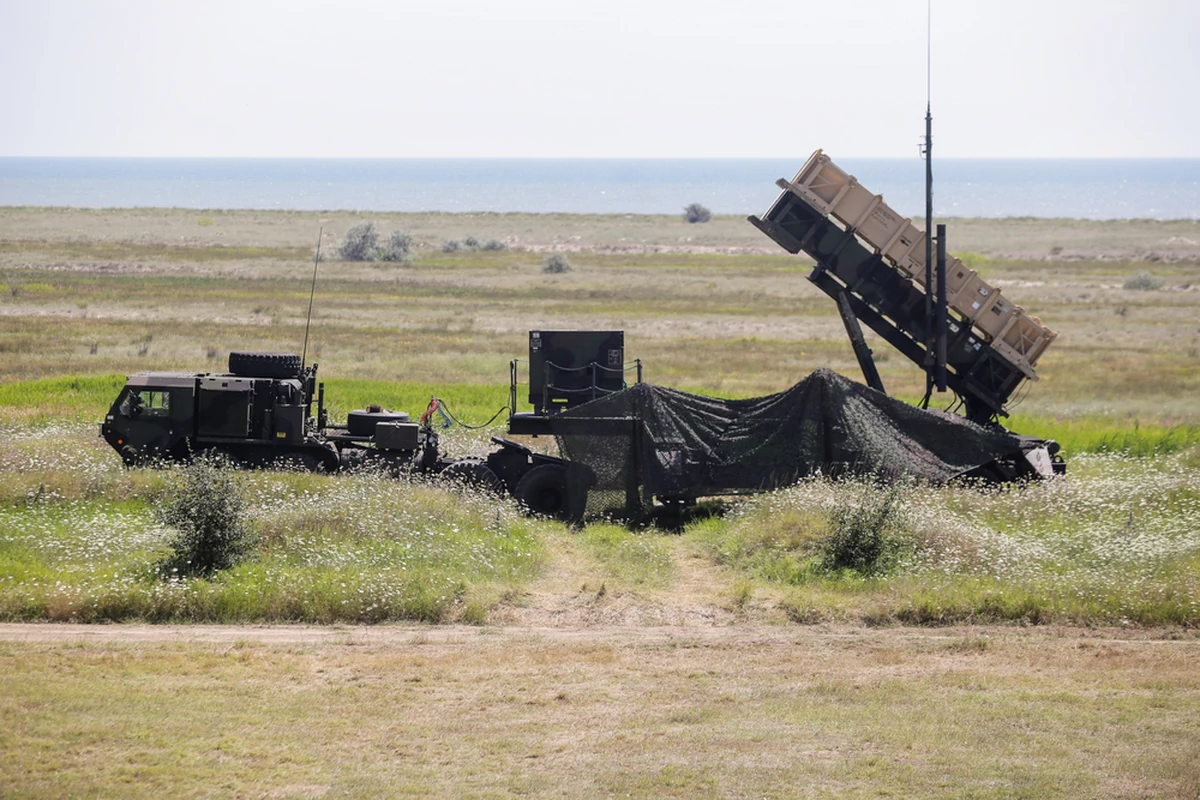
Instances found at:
x=1077 y=188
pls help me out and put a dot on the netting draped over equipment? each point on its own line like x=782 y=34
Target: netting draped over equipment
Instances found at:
x=685 y=445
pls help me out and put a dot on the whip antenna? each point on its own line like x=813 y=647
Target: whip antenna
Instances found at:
x=312 y=292
x=928 y=153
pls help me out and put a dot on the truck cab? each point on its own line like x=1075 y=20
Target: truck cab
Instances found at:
x=153 y=417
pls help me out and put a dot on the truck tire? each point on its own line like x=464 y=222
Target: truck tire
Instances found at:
x=543 y=490
x=130 y=457
x=362 y=423
x=475 y=474
x=246 y=364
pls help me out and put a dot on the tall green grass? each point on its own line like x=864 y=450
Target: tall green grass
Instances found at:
x=1103 y=435
x=345 y=549
x=1117 y=541
x=88 y=398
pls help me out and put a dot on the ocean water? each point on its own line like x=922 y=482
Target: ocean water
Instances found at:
x=1080 y=188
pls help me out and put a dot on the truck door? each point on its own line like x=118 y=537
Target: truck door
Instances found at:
x=140 y=425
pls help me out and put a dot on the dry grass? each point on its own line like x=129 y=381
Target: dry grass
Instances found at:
x=644 y=712
x=1020 y=237
x=101 y=292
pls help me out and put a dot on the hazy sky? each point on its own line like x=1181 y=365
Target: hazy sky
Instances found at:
x=623 y=78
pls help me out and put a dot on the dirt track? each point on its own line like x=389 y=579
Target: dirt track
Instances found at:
x=722 y=636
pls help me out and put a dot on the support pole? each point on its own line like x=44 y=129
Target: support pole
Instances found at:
x=862 y=352
x=939 y=325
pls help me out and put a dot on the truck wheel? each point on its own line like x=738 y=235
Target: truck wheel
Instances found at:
x=543 y=490
x=130 y=456
x=246 y=364
x=475 y=474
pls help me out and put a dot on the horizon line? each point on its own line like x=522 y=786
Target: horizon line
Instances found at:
x=603 y=158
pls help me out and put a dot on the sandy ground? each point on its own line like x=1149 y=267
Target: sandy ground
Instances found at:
x=452 y=636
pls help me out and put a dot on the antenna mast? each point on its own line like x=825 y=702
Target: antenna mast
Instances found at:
x=935 y=312
x=312 y=292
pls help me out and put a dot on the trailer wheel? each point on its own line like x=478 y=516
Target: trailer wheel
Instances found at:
x=543 y=490
x=246 y=364
x=474 y=473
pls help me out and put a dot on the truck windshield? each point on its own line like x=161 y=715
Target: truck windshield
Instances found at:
x=151 y=402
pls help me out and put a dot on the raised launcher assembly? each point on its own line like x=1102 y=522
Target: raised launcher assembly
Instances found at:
x=871 y=260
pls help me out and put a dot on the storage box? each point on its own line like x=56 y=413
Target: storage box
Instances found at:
x=1015 y=358
x=822 y=182
x=834 y=192
x=957 y=276
x=995 y=315
x=1027 y=336
x=972 y=297
x=397 y=435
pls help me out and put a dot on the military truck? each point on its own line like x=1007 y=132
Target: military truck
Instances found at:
x=258 y=414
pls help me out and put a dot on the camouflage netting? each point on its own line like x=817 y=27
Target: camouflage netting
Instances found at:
x=685 y=445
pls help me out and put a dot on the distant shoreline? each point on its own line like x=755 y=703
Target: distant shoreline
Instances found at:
x=659 y=215
x=1026 y=238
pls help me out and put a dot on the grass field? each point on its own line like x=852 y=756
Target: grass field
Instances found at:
x=734 y=637
x=743 y=711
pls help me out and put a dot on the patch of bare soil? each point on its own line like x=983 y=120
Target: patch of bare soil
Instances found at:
x=452 y=636
x=573 y=593
x=108 y=267
x=640 y=249
x=1186 y=256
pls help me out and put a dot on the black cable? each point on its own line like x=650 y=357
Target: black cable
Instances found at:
x=461 y=424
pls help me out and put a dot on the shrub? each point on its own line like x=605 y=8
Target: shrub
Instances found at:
x=451 y=246
x=696 y=213
x=471 y=243
x=399 y=247
x=556 y=264
x=206 y=509
x=1144 y=281
x=361 y=243
x=866 y=533
x=493 y=244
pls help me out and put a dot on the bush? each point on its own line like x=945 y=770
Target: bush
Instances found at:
x=451 y=246
x=361 y=243
x=1144 y=281
x=697 y=213
x=493 y=244
x=471 y=243
x=556 y=264
x=399 y=247
x=206 y=508
x=866 y=533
